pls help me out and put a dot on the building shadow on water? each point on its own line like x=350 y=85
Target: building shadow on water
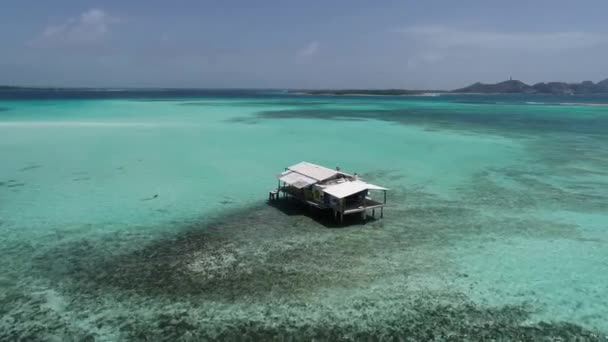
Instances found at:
x=294 y=208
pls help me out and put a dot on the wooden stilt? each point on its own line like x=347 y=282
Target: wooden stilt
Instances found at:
x=374 y=213
x=381 y=212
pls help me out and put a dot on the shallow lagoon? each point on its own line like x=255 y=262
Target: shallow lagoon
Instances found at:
x=144 y=217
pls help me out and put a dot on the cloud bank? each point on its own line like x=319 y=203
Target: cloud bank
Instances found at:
x=449 y=37
x=90 y=28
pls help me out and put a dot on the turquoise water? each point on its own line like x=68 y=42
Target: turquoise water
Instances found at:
x=144 y=217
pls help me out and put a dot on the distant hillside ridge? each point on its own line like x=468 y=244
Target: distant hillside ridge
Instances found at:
x=512 y=86
x=519 y=87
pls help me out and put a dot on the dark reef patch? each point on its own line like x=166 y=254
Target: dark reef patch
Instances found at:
x=245 y=254
x=244 y=120
x=290 y=103
x=420 y=322
x=25 y=317
x=274 y=260
x=457 y=119
x=391 y=175
x=421 y=319
x=264 y=265
x=284 y=103
x=156 y=100
x=4 y=109
x=283 y=250
x=531 y=190
x=79 y=179
x=205 y=104
x=30 y=167
x=11 y=183
x=570 y=155
x=226 y=200
x=8 y=182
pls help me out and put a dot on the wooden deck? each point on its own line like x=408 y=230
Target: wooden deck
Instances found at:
x=357 y=208
x=295 y=193
x=350 y=208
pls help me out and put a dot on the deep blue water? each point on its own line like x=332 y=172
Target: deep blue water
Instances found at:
x=277 y=94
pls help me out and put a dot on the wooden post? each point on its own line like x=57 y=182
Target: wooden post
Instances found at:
x=374 y=213
x=341 y=210
x=381 y=212
x=384 y=196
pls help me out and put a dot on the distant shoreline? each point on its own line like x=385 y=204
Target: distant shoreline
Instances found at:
x=361 y=94
x=429 y=94
x=502 y=88
x=510 y=87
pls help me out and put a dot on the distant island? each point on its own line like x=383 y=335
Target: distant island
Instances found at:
x=6 y=87
x=506 y=87
x=519 y=87
x=377 y=92
x=19 y=88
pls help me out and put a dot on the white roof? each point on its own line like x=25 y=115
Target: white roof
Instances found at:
x=375 y=187
x=345 y=189
x=317 y=172
x=296 y=179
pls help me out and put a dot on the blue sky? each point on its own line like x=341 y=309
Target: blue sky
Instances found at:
x=301 y=44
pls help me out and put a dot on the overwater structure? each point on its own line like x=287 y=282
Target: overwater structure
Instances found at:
x=329 y=189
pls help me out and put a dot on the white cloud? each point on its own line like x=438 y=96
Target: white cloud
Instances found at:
x=441 y=37
x=309 y=50
x=91 y=27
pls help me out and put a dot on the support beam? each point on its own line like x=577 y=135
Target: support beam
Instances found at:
x=381 y=212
